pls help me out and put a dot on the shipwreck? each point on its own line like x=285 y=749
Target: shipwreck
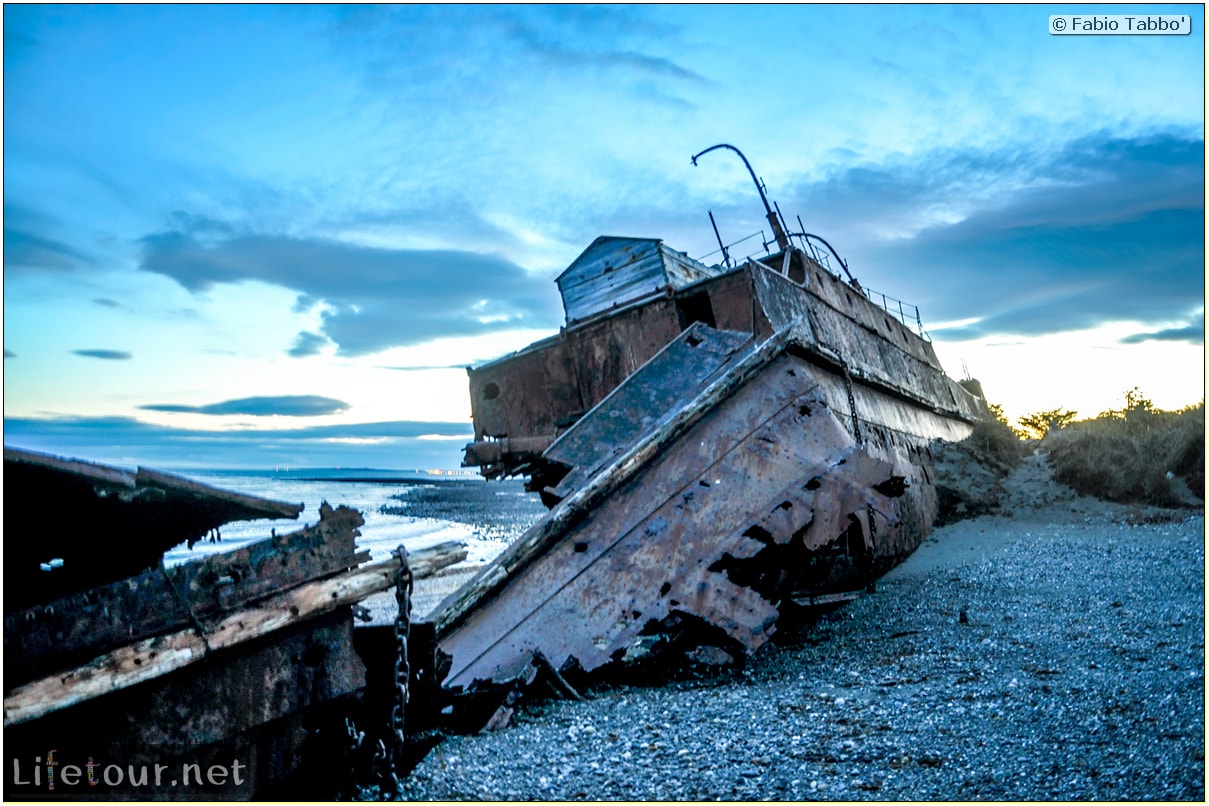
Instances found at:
x=721 y=446
x=229 y=666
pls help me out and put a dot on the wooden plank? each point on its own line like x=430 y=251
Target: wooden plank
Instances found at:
x=71 y=630
x=155 y=657
x=253 y=703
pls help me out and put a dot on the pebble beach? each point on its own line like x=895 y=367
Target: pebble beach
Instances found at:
x=1051 y=651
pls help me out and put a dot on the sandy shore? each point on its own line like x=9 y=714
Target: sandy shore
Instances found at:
x=1077 y=672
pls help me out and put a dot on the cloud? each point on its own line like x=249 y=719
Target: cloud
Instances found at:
x=285 y=405
x=108 y=303
x=482 y=54
x=108 y=355
x=9 y=353
x=1028 y=241
x=559 y=56
x=375 y=298
x=24 y=249
x=1194 y=332
x=441 y=366
x=307 y=344
x=127 y=441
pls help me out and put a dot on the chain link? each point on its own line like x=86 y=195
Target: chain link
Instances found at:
x=403 y=587
x=856 y=423
x=389 y=760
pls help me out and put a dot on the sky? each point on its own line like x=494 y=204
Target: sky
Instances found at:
x=275 y=236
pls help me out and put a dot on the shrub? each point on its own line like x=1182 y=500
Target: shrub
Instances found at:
x=996 y=439
x=1039 y=424
x=1132 y=455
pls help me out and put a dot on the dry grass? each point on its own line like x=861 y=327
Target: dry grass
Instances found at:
x=1139 y=455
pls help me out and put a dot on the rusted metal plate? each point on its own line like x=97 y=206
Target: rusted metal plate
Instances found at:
x=672 y=378
x=891 y=358
x=71 y=630
x=674 y=539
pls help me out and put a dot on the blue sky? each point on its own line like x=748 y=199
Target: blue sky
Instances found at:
x=275 y=235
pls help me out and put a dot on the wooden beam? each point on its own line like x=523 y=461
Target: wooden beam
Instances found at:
x=154 y=657
x=74 y=629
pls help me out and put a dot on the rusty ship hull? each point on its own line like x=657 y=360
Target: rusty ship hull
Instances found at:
x=719 y=449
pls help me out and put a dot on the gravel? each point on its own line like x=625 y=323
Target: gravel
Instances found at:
x=496 y=510
x=1057 y=654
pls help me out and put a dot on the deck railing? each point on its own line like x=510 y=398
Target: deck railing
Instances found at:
x=825 y=256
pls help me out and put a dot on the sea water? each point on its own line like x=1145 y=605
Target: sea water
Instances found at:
x=366 y=490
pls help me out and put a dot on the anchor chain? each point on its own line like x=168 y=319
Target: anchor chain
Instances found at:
x=856 y=423
x=391 y=759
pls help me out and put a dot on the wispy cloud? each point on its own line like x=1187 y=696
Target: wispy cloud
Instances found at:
x=24 y=249
x=107 y=355
x=441 y=366
x=285 y=405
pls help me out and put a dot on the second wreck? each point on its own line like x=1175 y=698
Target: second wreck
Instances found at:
x=720 y=445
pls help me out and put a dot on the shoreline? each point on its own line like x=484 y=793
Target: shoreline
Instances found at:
x=1052 y=652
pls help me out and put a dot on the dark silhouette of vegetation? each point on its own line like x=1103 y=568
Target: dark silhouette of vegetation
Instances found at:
x=1038 y=425
x=1137 y=454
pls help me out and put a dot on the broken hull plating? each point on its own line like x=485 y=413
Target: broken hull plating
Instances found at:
x=770 y=494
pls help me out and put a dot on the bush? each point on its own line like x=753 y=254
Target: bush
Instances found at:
x=995 y=439
x=1132 y=455
x=1039 y=424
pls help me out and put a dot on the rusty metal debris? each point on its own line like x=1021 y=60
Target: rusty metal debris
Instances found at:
x=235 y=656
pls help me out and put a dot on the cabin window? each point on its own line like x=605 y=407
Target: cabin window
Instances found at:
x=491 y=391
x=695 y=308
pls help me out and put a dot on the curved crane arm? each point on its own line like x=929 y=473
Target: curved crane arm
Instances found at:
x=777 y=230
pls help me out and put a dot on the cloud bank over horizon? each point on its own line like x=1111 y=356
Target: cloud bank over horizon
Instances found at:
x=285 y=405
x=127 y=441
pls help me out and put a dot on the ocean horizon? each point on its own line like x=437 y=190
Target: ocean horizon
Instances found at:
x=410 y=507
